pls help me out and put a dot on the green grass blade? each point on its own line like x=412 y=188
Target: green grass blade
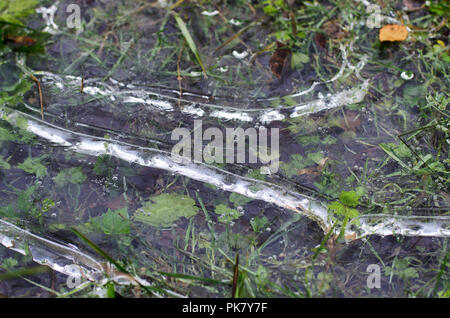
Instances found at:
x=183 y=28
x=393 y=156
x=35 y=270
x=149 y=289
x=100 y=251
x=190 y=277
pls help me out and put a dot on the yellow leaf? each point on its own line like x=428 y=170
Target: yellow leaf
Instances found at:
x=393 y=32
x=441 y=43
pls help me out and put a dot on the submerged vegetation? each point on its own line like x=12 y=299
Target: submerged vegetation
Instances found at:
x=388 y=154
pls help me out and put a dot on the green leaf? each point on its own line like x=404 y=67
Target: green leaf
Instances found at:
x=6 y=135
x=349 y=198
x=396 y=152
x=337 y=208
x=13 y=94
x=239 y=200
x=255 y=174
x=47 y=204
x=308 y=140
x=298 y=162
x=33 y=165
x=72 y=175
x=329 y=140
x=113 y=222
x=103 y=166
x=352 y=213
x=163 y=210
x=259 y=223
x=294 y=166
x=343 y=206
x=315 y=157
x=9 y=263
x=4 y=164
x=14 y=10
x=227 y=215
x=298 y=60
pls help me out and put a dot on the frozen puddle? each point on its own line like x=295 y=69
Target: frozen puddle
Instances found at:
x=72 y=262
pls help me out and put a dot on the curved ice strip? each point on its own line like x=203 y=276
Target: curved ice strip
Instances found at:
x=64 y=258
x=231 y=115
x=46 y=252
x=256 y=189
x=270 y=116
x=384 y=224
x=142 y=95
x=346 y=97
x=165 y=103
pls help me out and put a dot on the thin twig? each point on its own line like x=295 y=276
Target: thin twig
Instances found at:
x=41 y=100
x=179 y=78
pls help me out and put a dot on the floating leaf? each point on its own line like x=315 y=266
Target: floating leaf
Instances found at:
x=113 y=222
x=298 y=162
x=163 y=210
x=239 y=200
x=72 y=175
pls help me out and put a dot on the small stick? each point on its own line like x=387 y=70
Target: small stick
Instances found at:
x=179 y=78
x=82 y=85
x=41 y=99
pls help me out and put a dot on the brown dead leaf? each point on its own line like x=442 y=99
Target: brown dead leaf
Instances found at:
x=334 y=30
x=393 y=32
x=310 y=170
x=21 y=40
x=320 y=40
x=278 y=60
x=314 y=170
